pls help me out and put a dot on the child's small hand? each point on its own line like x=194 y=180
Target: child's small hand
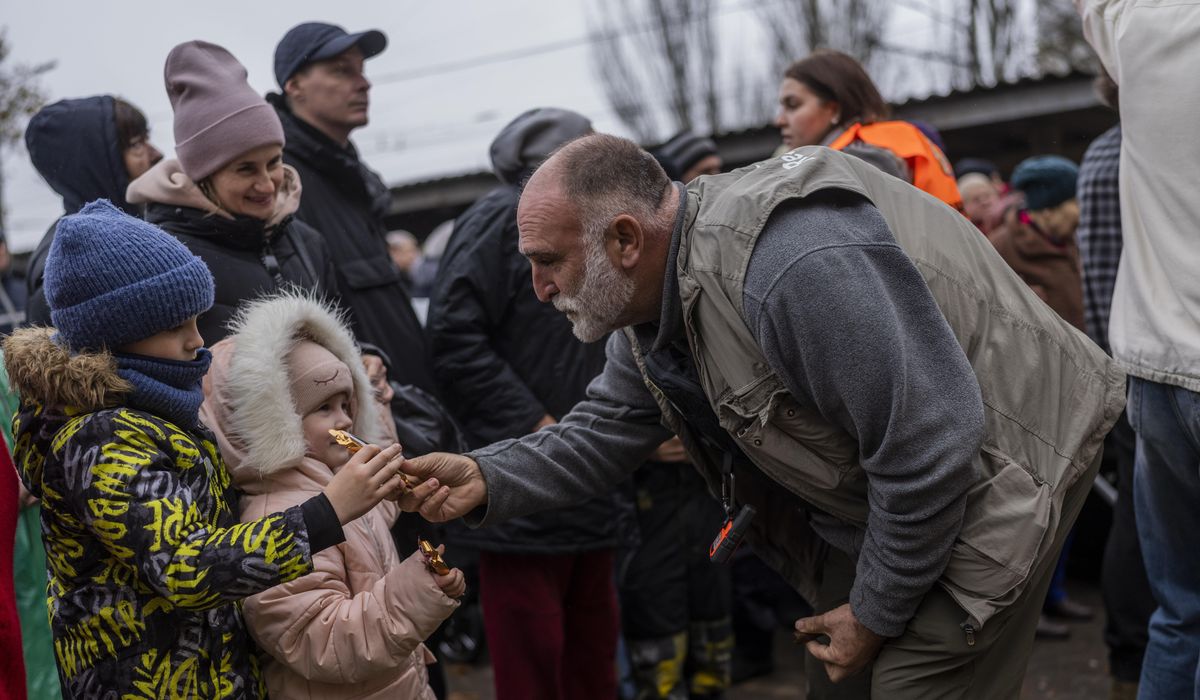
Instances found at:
x=369 y=476
x=453 y=584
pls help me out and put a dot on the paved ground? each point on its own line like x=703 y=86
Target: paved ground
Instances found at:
x=1074 y=669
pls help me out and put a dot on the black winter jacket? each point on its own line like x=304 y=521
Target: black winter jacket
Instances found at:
x=346 y=202
x=503 y=360
x=246 y=260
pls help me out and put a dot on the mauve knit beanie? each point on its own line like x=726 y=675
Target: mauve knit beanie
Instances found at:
x=112 y=279
x=218 y=116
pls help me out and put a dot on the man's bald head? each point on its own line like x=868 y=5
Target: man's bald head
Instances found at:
x=601 y=176
x=595 y=222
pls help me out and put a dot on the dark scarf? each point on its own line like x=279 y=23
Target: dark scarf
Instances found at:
x=169 y=389
x=239 y=233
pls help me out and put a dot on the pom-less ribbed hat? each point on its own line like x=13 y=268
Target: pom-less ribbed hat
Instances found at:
x=1046 y=181
x=112 y=279
x=683 y=151
x=218 y=116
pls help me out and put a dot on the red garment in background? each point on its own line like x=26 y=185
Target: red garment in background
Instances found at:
x=551 y=622
x=12 y=657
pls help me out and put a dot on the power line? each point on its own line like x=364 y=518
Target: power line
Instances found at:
x=500 y=57
x=549 y=47
x=931 y=13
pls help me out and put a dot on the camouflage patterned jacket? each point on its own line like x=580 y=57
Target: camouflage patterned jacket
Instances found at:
x=146 y=557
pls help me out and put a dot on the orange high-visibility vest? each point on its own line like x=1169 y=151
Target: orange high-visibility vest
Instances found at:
x=930 y=169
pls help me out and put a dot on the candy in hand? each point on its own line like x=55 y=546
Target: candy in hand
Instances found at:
x=354 y=444
x=433 y=558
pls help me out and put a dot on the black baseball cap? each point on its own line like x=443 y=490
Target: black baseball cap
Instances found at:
x=317 y=41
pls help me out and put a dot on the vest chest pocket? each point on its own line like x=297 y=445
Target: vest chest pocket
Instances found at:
x=776 y=431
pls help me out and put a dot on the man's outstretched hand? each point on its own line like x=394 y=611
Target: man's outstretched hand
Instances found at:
x=462 y=486
x=851 y=645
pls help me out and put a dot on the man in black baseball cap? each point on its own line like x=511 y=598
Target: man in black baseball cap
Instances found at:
x=316 y=41
x=325 y=96
x=319 y=68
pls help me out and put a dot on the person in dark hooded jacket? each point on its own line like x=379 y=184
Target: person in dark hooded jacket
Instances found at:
x=228 y=196
x=507 y=364
x=86 y=148
x=324 y=97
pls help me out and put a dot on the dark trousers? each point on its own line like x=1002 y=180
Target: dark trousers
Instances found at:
x=551 y=623
x=933 y=659
x=674 y=601
x=1128 y=601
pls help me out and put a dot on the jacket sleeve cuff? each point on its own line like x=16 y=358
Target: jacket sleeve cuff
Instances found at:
x=883 y=615
x=321 y=521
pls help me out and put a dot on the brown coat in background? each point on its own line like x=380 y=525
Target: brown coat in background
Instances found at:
x=1050 y=268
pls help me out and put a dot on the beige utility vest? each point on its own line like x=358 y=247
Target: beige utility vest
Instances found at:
x=1050 y=395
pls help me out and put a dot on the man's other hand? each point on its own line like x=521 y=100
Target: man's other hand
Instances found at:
x=851 y=645
x=463 y=488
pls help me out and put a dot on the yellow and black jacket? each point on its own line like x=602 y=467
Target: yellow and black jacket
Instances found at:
x=146 y=558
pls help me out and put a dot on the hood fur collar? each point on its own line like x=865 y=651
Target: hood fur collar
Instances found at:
x=248 y=400
x=44 y=371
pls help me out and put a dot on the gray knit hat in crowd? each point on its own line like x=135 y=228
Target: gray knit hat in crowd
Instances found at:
x=218 y=116
x=1046 y=181
x=683 y=151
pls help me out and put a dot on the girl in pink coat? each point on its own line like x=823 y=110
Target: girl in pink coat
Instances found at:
x=354 y=627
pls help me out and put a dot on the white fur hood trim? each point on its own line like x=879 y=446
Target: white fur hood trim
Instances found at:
x=259 y=412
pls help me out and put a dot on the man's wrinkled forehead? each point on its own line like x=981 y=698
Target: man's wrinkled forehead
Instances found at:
x=543 y=215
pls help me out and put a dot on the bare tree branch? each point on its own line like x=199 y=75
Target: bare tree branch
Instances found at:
x=657 y=63
x=21 y=96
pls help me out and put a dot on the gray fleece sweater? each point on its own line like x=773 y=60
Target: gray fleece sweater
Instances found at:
x=846 y=321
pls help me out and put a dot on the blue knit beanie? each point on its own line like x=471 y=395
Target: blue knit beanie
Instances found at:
x=112 y=279
x=1046 y=181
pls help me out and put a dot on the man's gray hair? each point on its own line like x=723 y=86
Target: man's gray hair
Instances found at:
x=605 y=176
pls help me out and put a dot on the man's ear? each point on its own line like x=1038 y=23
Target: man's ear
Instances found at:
x=291 y=88
x=627 y=235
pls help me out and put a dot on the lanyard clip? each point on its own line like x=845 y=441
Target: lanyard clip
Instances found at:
x=727 y=485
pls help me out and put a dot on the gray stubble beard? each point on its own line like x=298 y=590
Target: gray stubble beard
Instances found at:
x=602 y=299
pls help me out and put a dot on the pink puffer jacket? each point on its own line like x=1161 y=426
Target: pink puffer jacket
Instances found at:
x=353 y=628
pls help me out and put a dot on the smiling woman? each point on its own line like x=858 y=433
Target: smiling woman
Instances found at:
x=247 y=184
x=227 y=195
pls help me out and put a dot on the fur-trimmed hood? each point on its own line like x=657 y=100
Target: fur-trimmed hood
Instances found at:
x=247 y=396
x=54 y=386
x=41 y=370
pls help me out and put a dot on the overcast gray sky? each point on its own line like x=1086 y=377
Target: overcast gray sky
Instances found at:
x=429 y=116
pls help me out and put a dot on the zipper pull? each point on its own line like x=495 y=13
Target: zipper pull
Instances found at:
x=969 y=630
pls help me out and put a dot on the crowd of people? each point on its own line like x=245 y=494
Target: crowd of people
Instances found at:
x=241 y=444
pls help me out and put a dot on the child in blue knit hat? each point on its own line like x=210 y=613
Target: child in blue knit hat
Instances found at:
x=145 y=555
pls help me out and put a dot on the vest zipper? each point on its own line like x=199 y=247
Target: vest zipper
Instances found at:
x=969 y=630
